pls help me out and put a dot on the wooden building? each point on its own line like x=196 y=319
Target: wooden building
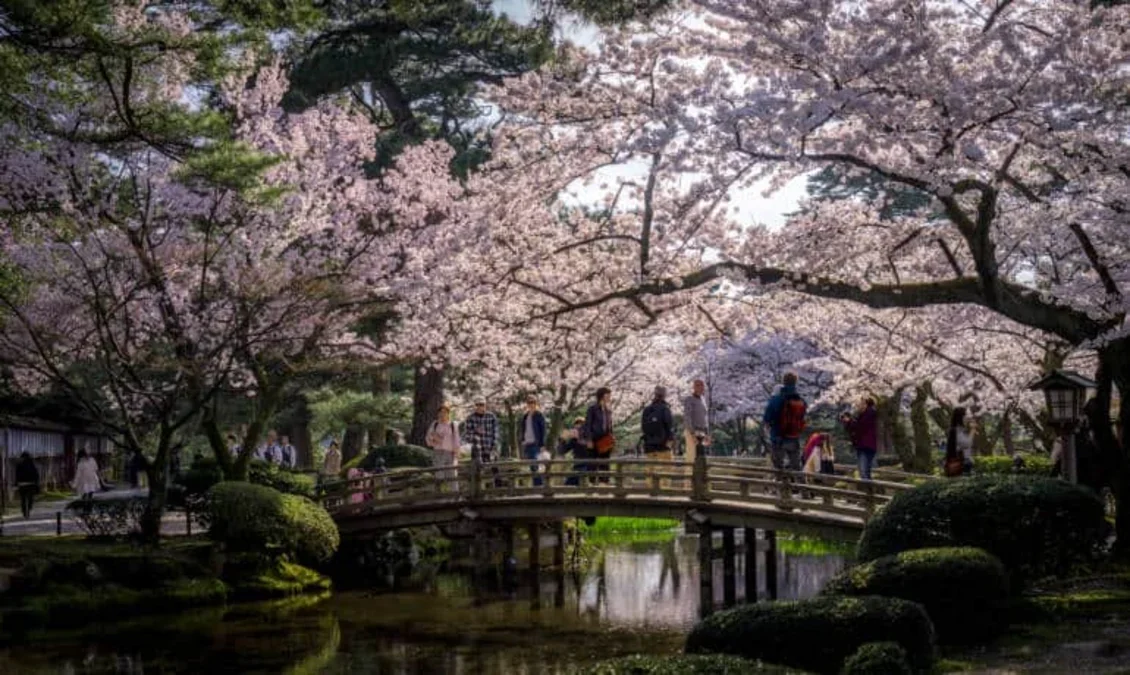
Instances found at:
x=53 y=446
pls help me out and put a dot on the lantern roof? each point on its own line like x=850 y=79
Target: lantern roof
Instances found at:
x=1058 y=379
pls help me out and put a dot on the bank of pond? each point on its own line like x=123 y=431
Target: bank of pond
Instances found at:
x=952 y=576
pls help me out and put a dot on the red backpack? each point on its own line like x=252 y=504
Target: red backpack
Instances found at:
x=791 y=422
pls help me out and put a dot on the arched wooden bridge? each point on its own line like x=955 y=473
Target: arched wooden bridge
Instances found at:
x=722 y=491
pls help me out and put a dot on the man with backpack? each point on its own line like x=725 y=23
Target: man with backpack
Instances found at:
x=658 y=427
x=784 y=417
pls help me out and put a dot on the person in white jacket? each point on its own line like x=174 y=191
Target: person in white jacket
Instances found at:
x=443 y=439
x=87 y=480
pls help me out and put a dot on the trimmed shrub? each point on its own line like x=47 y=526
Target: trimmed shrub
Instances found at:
x=204 y=473
x=1036 y=526
x=114 y=517
x=688 y=664
x=964 y=590
x=1034 y=465
x=395 y=457
x=313 y=534
x=255 y=518
x=877 y=658
x=817 y=634
x=284 y=480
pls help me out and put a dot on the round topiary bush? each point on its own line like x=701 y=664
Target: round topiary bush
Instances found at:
x=314 y=535
x=817 y=634
x=688 y=664
x=1036 y=526
x=877 y=658
x=255 y=518
x=964 y=590
x=394 y=457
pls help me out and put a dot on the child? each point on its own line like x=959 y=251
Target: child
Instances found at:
x=819 y=456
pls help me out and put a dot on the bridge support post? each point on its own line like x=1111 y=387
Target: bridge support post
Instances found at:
x=705 y=569
x=729 y=568
x=750 y=540
x=559 y=551
x=771 y=564
x=507 y=545
x=535 y=548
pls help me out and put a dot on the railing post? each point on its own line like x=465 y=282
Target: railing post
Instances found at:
x=698 y=479
x=620 y=489
x=476 y=482
x=784 y=490
x=548 y=478
x=868 y=502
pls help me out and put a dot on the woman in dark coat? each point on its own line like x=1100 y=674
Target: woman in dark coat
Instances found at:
x=27 y=481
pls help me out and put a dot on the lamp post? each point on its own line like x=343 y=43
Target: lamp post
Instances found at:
x=1065 y=392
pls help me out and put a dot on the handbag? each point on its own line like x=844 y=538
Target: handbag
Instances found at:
x=954 y=466
x=604 y=444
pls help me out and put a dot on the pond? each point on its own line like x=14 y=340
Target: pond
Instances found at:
x=632 y=598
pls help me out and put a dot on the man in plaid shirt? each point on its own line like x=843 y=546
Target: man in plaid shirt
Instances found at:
x=481 y=431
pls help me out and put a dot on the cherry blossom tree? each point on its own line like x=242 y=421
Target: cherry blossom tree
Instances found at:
x=1005 y=118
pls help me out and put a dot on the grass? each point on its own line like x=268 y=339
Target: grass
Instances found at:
x=814 y=546
x=614 y=525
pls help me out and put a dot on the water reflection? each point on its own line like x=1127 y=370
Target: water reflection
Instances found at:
x=630 y=599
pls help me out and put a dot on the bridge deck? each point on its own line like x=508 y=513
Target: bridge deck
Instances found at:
x=723 y=491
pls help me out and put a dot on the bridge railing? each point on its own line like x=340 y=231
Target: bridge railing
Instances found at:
x=721 y=480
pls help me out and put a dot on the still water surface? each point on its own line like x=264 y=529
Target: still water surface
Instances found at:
x=640 y=598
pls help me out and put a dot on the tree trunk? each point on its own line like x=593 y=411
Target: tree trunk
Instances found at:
x=556 y=420
x=1114 y=371
x=923 y=457
x=299 y=433
x=743 y=434
x=427 y=397
x=1006 y=433
x=352 y=442
x=893 y=437
x=157 y=471
x=382 y=387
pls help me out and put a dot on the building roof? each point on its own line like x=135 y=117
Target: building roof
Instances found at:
x=1063 y=378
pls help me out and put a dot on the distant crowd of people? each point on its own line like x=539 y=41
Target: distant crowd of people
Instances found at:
x=592 y=436
x=275 y=449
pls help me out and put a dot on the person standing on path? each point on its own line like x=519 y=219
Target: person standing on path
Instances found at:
x=287 y=453
x=443 y=439
x=696 y=425
x=959 y=445
x=533 y=434
x=27 y=482
x=87 y=480
x=331 y=466
x=784 y=418
x=863 y=427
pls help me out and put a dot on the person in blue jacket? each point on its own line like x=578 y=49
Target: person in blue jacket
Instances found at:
x=785 y=419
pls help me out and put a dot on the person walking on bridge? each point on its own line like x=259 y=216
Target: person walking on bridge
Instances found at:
x=863 y=427
x=784 y=418
x=597 y=432
x=658 y=427
x=533 y=434
x=480 y=431
x=443 y=439
x=696 y=423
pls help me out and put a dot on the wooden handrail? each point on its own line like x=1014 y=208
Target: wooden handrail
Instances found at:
x=705 y=480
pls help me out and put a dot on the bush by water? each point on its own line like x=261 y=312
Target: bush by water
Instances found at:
x=690 y=664
x=878 y=658
x=255 y=518
x=1038 y=527
x=817 y=634
x=964 y=590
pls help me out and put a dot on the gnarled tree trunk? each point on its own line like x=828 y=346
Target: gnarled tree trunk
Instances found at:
x=427 y=397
